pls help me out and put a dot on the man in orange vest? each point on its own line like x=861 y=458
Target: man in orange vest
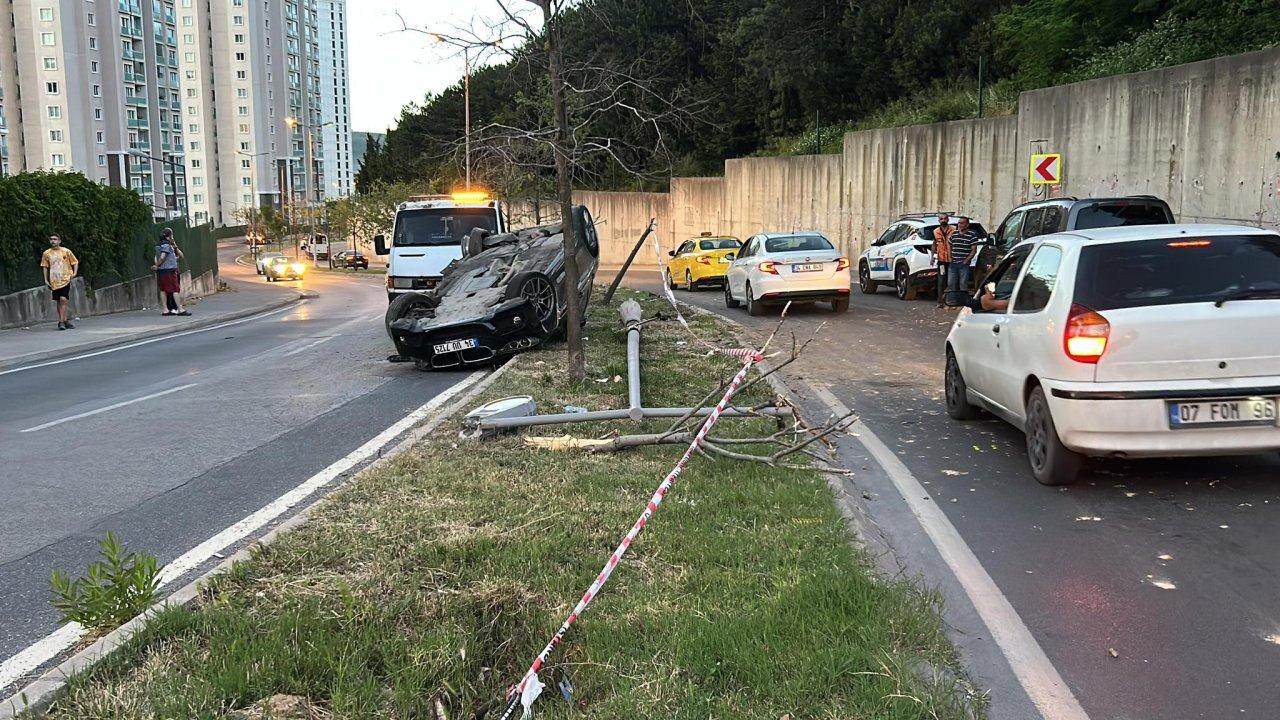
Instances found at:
x=942 y=250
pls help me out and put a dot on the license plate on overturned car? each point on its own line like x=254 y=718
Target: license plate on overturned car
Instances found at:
x=456 y=345
x=1234 y=412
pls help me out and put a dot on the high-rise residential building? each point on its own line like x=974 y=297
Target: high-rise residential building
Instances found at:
x=93 y=86
x=335 y=99
x=251 y=77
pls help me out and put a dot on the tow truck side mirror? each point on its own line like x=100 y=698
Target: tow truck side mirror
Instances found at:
x=380 y=244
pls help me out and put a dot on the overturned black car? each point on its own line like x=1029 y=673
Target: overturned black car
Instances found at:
x=506 y=294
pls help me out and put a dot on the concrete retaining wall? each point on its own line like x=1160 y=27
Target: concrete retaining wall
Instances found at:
x=1204 y=136
x=31 y=307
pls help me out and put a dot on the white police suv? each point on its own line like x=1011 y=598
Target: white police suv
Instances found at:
x=903 y=256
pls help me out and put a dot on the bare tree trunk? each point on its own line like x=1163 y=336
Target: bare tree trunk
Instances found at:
x=564 y=193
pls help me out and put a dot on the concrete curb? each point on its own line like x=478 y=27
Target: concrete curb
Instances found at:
x=203 y=322
x=39 y=694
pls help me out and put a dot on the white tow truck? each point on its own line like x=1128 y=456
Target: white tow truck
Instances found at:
x=428 y=235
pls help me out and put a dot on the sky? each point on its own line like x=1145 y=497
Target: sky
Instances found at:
x=390 y=67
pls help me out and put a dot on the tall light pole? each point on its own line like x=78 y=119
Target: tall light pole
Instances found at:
x=309 y=158
x=173 y=174
x=466 y=93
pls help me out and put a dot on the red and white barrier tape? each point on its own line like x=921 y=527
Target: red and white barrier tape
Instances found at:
x=739 y=353
x=530 y=686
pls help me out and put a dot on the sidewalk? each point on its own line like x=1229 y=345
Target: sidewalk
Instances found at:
x=22 y=346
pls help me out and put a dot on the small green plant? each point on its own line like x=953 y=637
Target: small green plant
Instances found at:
x=118 y=587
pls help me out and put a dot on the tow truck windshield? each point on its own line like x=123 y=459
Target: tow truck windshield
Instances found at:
x=434 y=227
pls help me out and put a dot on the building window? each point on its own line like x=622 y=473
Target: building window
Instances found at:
x=198 y=198
x=102 y=161
x=239 y=38
x=55 y=136
x=57 y=160
x=189 y=57
x=244 y=147
x=93 y=66
x=93 y=43
x=195 y=145
x=242 y=110
x=197 y=181
x=188 y=39
x=191 y=74
x=51 y=88
x=244 y=163
x=50 y=63
x=97 y=91
x=244 y=127
x=237 y=20
x=92 y=21
x=191 y=92
x=46 y=14
x=97 y=113
x=47 y=40
x=246 y=181
x=55 y=111
x=240 y=57
x=100 y=136
x=186 y=21
x=195 y=162
x=193 y=127
x=242 y=92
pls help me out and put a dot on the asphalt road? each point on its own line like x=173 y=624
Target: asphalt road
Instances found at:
x=1085 y=567
x=171 y=442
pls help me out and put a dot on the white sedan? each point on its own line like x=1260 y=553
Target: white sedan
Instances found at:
x=773 y=268
x=1151 y=341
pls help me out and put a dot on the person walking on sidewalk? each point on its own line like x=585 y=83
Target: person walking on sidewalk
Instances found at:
x=963 y=248
x=167 y=276
x=942 y=250
x=60 y=267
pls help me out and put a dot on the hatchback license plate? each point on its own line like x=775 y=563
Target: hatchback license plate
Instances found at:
x=456 y=345
x=807 y=267
x=1234 y=412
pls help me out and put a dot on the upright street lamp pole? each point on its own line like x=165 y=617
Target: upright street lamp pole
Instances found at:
x=309 y=159
x=254 y=207
x=466 y=60
x=186 y=210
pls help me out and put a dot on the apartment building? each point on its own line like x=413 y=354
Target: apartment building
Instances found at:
x=335 y=100
x=258 y=104
x=92 y=86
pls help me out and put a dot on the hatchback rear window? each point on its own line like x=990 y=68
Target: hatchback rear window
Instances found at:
x=797 y=243
x=1173 y=271
x=1118 y=214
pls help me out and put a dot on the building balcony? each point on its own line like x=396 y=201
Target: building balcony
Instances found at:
x=139 y=123
x=131 y=6
x=175 y=103
x=135 y=99
x=133 y=55
x=143 y=145
x=131 y=31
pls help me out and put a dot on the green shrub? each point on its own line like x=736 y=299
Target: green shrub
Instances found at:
x=118 y=587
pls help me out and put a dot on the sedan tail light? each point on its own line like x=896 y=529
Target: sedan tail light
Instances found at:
x=1086 y=335
x=842 y=263
x=704 y=260
x=768 y=266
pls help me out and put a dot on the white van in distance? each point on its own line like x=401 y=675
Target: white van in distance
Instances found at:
x=428 y=235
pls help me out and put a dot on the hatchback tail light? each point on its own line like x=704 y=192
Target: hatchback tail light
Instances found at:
x=1086 y=335
x=704 y=260
x=768 y=266
x=842 y=263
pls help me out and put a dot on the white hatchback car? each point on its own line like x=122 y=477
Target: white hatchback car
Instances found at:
x=1153 y=341
x=773 y=268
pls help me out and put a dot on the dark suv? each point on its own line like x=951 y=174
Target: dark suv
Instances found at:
x=1042 y=217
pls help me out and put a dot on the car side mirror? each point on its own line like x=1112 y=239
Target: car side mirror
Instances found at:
x=730 y=257
x=671 y=253
x=380 y=244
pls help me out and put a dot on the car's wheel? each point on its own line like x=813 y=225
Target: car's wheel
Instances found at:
x=840 y=305
x=729 y=302
x=688 y=281
x=410 y=305
x=902 y=283
x=958 y=406
x=666 y=277
x=865 y=283
x=754 y=307
x=538 y=289
x=1052 y=463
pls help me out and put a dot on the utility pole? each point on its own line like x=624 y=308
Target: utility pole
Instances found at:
x=466 y=60
x=982 y=71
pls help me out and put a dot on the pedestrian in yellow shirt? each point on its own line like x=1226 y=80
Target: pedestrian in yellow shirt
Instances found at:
x=60 y=266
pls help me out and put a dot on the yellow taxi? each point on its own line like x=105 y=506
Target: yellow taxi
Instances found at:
x=701 y=261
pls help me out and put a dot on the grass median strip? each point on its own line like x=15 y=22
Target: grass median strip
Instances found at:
x=428 y=585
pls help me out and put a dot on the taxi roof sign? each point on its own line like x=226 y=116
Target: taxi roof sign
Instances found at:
x=1046 y=169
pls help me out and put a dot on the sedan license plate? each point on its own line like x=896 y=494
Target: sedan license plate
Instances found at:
x=1235 y=412
x=456 y=345
x=807 y=267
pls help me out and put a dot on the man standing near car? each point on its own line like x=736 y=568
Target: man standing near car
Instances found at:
x=942 y=251
x=964 y=244
x=60 y=267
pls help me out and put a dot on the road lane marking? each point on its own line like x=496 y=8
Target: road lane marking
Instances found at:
x=308 y=346
x=113 y=406
x=148 y=341
x=67 y=635
x=1037 y=675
